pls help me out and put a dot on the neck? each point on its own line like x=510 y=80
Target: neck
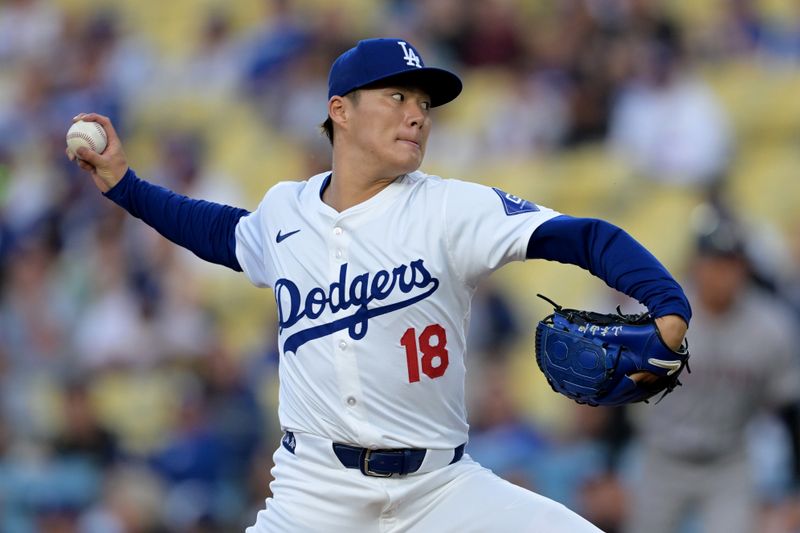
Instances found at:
x=352 y=184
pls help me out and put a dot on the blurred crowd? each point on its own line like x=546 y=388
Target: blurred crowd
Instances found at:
x=138 y=385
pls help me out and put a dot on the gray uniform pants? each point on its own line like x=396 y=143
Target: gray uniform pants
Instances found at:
x=720 y=491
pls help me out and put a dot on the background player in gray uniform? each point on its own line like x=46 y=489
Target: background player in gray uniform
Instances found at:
x=373 y=266
x=744 y=360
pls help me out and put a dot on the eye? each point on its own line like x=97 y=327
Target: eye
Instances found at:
x=426 y=105
x=399 y=97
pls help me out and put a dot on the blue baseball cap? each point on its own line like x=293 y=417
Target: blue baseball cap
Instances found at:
x=390 y=60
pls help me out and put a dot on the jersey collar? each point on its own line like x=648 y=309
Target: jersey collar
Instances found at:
x=321 y=181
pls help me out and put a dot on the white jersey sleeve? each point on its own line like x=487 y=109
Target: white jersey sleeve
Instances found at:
x=252 y=250
x=486 y=228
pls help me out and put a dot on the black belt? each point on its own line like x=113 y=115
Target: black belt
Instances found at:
x=385 y=463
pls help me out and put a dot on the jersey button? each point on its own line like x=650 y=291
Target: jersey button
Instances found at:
x=338 y=254
x=351 y=401
x=342 y=345
x=337 y=230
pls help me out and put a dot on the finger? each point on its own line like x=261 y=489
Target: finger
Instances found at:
x=91 y=117
x=104 y=121
x=94 y=117
x=69 y=153
x=644 y=378
x=89 y=156
x=84 y=165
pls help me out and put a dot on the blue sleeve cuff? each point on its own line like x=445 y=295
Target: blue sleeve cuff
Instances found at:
x=117 y=192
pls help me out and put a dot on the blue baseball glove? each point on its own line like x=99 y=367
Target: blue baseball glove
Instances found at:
x=606 y=359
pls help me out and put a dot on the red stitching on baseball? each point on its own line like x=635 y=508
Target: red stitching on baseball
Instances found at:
x=101 y=131
x=85 y=137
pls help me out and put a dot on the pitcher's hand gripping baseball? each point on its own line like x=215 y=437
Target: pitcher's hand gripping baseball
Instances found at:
x=107 y=168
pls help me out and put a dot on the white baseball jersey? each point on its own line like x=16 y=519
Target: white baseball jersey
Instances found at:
x=374 y=302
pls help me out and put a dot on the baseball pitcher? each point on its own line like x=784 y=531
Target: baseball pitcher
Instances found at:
x=373 y=265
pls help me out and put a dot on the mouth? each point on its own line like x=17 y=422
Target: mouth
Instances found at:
x=410 y=141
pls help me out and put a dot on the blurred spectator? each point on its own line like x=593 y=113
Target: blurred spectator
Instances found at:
x=131 y=502
x=279 y=39
x=491 y=35
x=531 y=119
x=25 y=113
x=39 y=490
x=576 y=52
x=28 y=28
x=192 y=462
x=303 y=110
x=91 y=72
x=180 y=162
x=126 y=63
x=280 y=35
x=666 y=121
x=501 y=439
x=442 y=24
x=694 y=444
x=215 y=66
x=741 y=31
x=749 y=30
x=117 y=326
x=82 y=435
x=792 y=285
x=35 y=322
x=579 y=468
x=49 y=487
x=575 y=466
x=142 y=310
x=494 y=323
x=233 y=409
x=34 y=307
x=604 y=501
x=494 y=330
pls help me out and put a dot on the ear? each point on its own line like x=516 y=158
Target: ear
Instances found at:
x=337 y=110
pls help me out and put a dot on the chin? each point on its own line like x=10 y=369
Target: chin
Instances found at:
x=409 y=165
x=407 y=160
x=411 y=168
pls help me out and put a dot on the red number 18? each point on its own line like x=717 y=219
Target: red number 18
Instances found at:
x=434 y=354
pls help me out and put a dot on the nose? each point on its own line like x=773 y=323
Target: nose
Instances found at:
x=415 y=117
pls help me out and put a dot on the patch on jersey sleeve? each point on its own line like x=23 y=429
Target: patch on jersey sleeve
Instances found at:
x=514 y=205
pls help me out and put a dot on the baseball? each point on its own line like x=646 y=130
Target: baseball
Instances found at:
x=88 y=134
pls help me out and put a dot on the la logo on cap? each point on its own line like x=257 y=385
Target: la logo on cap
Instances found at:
x=412 y=59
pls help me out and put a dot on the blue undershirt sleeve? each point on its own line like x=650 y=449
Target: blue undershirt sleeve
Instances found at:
x=205 y=228
x=614 y=256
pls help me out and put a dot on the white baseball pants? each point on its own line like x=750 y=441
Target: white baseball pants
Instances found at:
x=313 y=492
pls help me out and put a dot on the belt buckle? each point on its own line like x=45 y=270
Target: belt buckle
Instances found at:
x=365 y=467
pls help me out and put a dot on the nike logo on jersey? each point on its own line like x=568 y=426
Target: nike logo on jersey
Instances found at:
x=671 y=366
x=280 y=238
x=412 y=279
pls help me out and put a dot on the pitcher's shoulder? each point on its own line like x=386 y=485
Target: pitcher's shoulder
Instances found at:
x=435 y=182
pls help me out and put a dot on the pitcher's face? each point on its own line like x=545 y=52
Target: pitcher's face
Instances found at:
x=390 y=126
